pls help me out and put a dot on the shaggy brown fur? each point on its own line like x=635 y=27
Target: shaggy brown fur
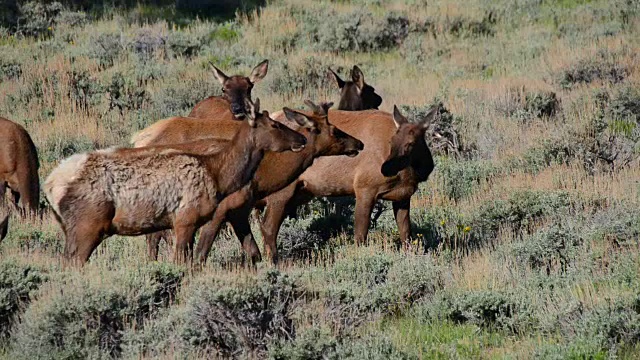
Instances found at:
x=18 y=171
x=275 y=172
x=235 y=91
x=135 y=192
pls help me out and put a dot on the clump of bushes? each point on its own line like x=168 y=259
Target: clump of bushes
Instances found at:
x=585 y=71
x=355 y=31
x=226 y=319
x=549 y=248
x=84 y=90
x=180 y=98
x=520 y=211
x=147 y=42
x=18 y=284
x=123 y=95
x=462 y=177
x=317 y=344
x=10 y=70
x=489 y=309
x=523 y=104
x=105 y=48
x=306 y=76
x=86 y=320
x=181 y=44
x=37 y=18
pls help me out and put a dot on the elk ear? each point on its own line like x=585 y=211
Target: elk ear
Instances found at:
x=398 y=118
x=426 y=121
x=326 y=106
x=337 y=79
x=300 y=119
x=358 y=77
x=259 y=72
x=219 y=74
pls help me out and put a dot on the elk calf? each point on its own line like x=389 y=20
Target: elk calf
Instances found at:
x=18 y=171
x=110 y=192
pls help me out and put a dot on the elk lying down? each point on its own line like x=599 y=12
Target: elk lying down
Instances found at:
x=18 y=172
x=394 y=161
x=275 y=172
x=109 y=192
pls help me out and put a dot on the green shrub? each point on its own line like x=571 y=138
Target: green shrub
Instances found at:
x=37 y=18
x=10 y=70
x=306 y=77
x=123 y=95
x=548 y=247
x=183 y=44
x=87 y=320
x=356 y=31
x=619 y=225
x=317 y=344
x=84 y=90
x=461 y=178
x=72 y=18
x=485 y=308
x=180 y=99
x=312 y=344
x=147 y=42
x=243 y=318
x=520 y=211
x=105 y=48
x=60 y=147
x=18 y=284
x=589 y=70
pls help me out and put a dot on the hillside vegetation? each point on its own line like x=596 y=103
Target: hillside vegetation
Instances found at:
x=526 y=234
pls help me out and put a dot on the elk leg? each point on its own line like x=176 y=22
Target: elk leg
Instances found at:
x=364 y=207
x=401 y=214
x=81 y=241
x=210 y=230
x=184 y=243
x=153 y=242
x=4 y=224
x=239 y=219
x=277 y=208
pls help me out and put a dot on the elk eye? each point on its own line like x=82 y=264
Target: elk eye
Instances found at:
x=224 y=90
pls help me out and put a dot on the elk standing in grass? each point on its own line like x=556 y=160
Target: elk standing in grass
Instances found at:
x=105 y=192
x=356 y=95
x=275 y=172
x=394 y=161
x=235 y=91
x=18 y=171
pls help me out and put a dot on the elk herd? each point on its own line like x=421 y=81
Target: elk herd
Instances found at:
x=225 y=159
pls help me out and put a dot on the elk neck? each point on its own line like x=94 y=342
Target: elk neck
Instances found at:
x=421 y=160
x=235 y=165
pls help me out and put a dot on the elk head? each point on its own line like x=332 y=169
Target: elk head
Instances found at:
x=408 y=146
x=328 y=139
x=271 y=135
x=236 y=89
x=356 y=94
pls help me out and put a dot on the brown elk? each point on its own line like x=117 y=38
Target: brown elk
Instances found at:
x=275 y=172
x=18 y=171
x=106 y=192
x=235 y=91
x=356 y=94
x=394 y=161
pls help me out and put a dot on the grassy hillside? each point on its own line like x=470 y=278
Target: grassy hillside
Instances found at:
x=527 y=233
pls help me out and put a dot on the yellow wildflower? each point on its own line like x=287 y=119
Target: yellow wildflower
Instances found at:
x=442 y=222
x=467 y=229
